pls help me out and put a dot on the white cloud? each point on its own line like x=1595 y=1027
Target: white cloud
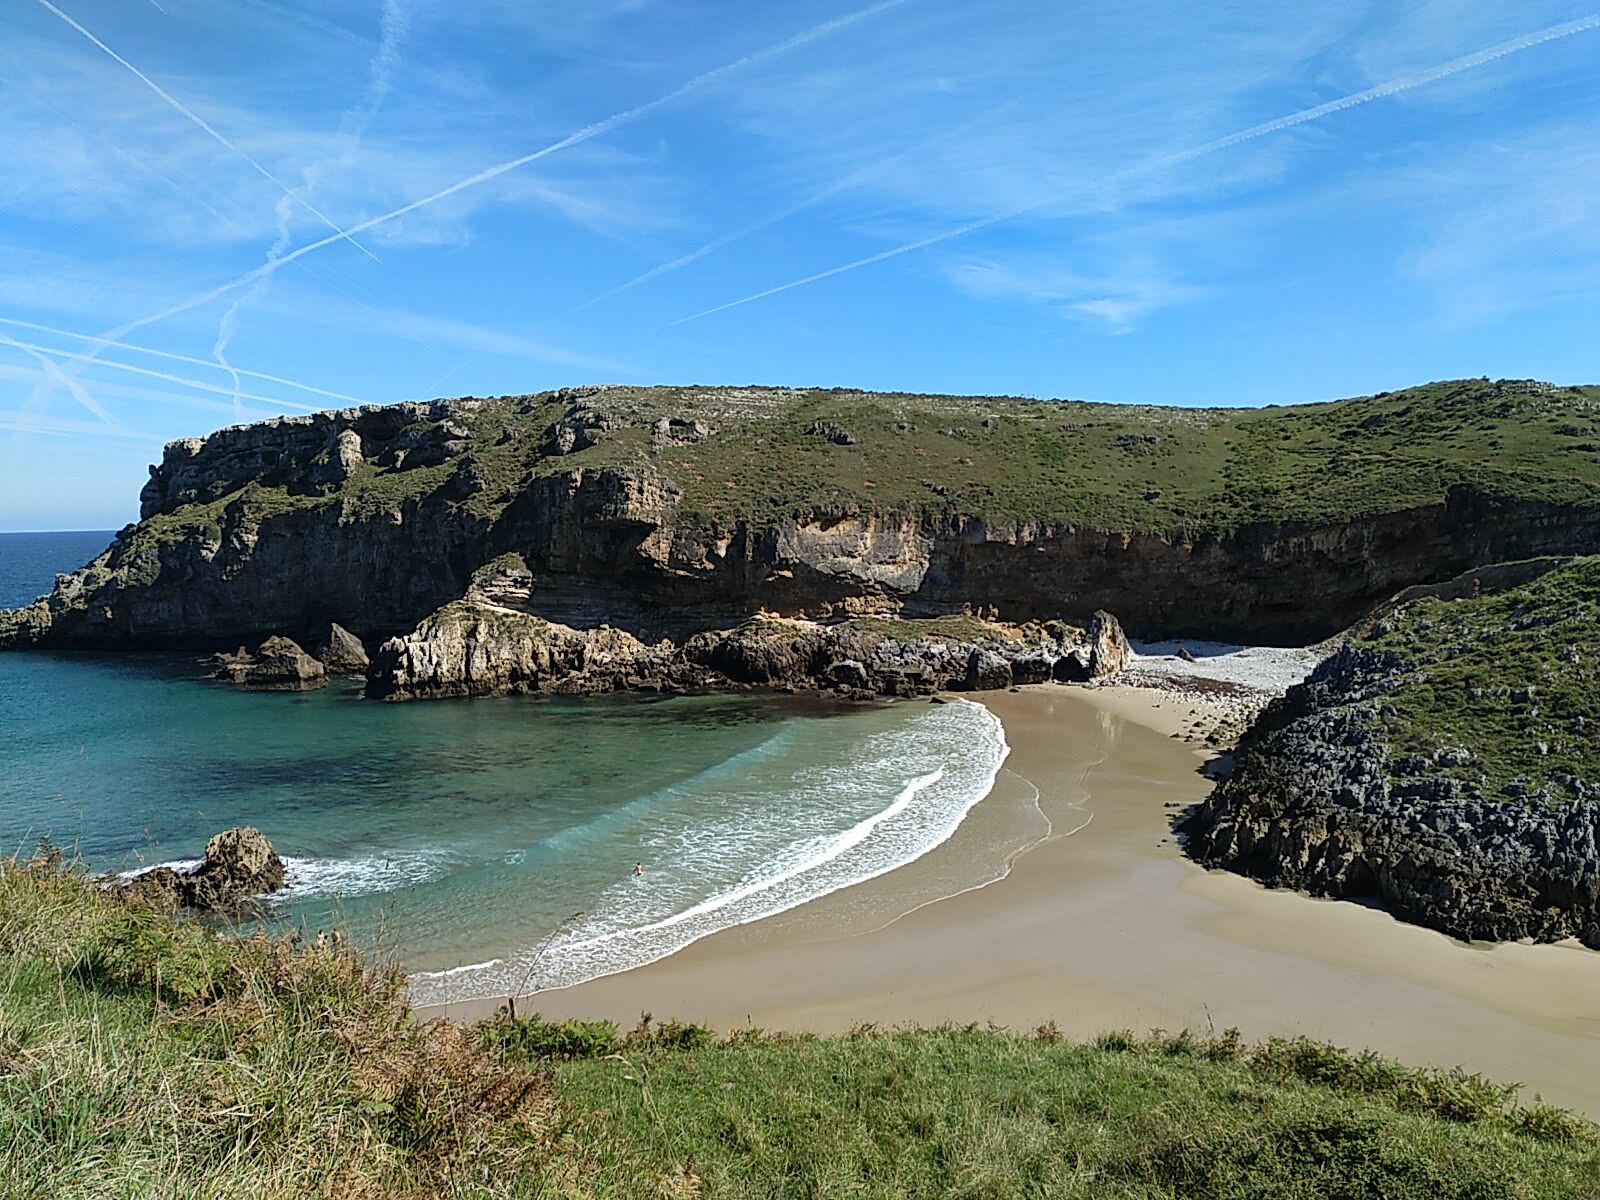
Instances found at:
x=1114 y=302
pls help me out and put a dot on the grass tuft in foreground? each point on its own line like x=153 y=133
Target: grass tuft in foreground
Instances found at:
x=143 y=1056
x=140 y=1056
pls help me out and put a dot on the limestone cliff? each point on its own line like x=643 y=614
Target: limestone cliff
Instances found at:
x=663 y=512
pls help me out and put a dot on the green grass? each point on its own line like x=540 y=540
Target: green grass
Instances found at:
x=144 y=1056
x=984 y=1113
x=1511 y=677
x=1107 y=466
x=1007 y=459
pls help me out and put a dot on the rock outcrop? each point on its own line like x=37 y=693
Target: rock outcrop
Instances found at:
x=277 y=665
x=342 y=653
x=1105 y=652
x=239 y=866
x=474 y=648
x=1318 y=801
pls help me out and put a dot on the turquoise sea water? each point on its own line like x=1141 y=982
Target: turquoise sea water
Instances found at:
x=490 y=841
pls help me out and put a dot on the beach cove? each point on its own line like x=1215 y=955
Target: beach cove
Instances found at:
x=1092 y=919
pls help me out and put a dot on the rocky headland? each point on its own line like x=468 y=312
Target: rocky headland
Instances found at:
x=1443 y=763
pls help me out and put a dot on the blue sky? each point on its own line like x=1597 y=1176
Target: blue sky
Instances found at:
x=1145 y=202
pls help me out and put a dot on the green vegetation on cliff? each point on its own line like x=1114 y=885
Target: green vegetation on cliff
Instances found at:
x=772 y=452
x=142 y=1056
x=1511 y=677
x=766 y=453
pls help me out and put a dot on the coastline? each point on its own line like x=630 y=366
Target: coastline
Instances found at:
x=1098 y=922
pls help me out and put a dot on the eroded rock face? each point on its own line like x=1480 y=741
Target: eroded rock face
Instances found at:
x=277 y=665
x=1315 y=803
x=239 y=865
x=473 y=648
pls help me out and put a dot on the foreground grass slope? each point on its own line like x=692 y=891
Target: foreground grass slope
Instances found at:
x=139 y=1056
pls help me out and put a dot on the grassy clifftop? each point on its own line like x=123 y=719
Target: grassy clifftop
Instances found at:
x=764 y=453
x=1511 y=678
x=1119 y=466
x=139 y=1056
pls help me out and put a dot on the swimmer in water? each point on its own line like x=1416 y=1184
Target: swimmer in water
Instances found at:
x=638 y=869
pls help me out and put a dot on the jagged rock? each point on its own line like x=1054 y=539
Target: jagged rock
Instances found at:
x=827 y=430
x=1105 y=653
x=987 y=670
x=239 y=865
x=342 y=653
x=1108 y=646
x=342 y=458
x=277 y=665
x=579 y=429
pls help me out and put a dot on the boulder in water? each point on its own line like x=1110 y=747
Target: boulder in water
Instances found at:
x=239 y=865
x=278 y=665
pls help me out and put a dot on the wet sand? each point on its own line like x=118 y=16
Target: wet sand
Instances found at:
x=1101 y=924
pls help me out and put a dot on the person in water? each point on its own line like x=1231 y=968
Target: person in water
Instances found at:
x=638 y=869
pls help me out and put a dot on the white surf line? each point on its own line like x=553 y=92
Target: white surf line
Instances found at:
x=74 y=388
x=848 y=840
x=448 y=972
x=183 y=358
x=197 y=384
x=183 y=110
x=841 y=184
x=572 y=139
x=1393 y=87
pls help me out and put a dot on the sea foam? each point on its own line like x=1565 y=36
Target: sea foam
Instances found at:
x=926 y=774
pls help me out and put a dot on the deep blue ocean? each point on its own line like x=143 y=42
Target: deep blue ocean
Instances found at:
x=466 y=832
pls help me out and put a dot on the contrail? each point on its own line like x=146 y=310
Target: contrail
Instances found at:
x=17 y=424
x=394 y=24
x=230 y=316
x=1402 y=84
x=185 y=358
x=179 y=107
x=40 y=352
x=817 y=197
x=72 y=385
x=572 y=139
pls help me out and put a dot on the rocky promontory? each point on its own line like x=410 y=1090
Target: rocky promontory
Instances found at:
x=1442 y=763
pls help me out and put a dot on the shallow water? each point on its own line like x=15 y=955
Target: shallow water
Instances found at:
x=490 y=842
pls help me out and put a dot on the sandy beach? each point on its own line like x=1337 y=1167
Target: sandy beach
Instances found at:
x=1063 y=897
